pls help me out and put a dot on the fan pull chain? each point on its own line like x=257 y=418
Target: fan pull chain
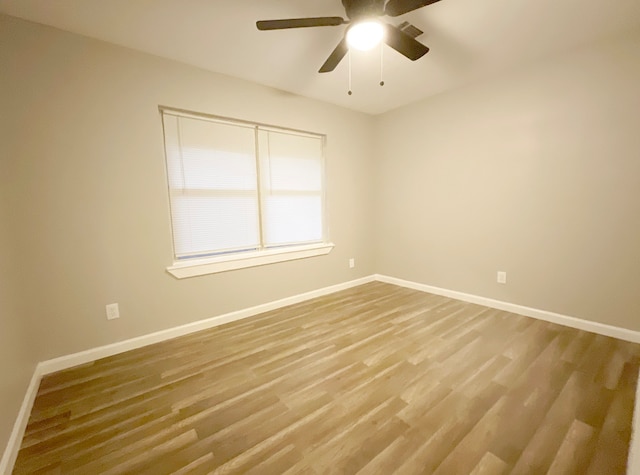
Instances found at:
x=349 y=53
x=381 y=64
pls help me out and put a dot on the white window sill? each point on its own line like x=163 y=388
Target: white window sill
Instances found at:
x=212 y=265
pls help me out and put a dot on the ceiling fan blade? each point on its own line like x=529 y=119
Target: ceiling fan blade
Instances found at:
x=403 y=43
x=400 y=7
x=299 y=23
x=335 y=57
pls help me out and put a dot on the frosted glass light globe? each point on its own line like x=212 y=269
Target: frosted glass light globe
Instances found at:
x=365 y=35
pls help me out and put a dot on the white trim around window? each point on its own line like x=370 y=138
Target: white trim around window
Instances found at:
x=242 y=194
x=212 y=265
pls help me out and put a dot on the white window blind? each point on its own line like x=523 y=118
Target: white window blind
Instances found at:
x=237 y=187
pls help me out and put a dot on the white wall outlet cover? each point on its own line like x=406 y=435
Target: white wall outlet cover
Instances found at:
x=112 y=311
x=502 y=277
x=352 y=263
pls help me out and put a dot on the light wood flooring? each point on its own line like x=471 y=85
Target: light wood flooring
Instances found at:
x=373 y=380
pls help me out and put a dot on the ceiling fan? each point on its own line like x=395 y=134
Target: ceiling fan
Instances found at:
x=363 y=15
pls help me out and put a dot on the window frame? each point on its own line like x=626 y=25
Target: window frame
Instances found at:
x=184 y=267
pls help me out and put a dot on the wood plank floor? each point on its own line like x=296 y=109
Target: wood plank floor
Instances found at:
x=373 y=380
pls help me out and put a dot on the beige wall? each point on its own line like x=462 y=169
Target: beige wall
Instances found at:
x=17 y=363
x=536 y=173
x=85 y=140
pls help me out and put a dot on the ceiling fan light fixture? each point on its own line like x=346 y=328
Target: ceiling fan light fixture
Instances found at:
x=364 y=35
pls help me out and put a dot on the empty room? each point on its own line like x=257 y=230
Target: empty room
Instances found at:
x=308 y=237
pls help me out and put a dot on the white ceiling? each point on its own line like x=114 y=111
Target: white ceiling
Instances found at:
x=469 y=39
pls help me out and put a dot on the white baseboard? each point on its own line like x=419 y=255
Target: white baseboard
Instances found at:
x=573 y=322
x=15 y=439
x=75 y=359
x=633 y=460
x=65 y=362
x=69 y=361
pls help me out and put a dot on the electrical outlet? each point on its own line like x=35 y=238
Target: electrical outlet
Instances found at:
x=112 y=311
x=352 y=263
x=502 y=277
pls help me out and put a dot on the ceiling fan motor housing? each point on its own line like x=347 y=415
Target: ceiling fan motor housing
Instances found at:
x=357 y=9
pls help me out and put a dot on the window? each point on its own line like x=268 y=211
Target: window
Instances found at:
x=242 y=194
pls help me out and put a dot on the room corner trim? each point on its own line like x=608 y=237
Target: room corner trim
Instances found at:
x=633 y=459
x=15 y=439
x=87 y=356
x=573 y=322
